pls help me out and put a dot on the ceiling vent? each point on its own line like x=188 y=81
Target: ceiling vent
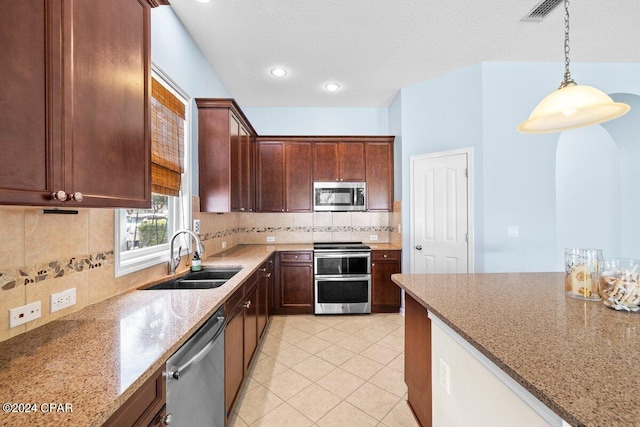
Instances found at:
x=541 y=10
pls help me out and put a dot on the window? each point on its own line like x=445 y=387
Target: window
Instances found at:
x=142 y=235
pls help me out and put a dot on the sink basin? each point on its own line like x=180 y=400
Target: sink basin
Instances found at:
x=212 y=274
x=208 y=278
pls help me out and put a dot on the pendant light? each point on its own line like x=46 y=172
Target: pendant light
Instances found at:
x=572 y=105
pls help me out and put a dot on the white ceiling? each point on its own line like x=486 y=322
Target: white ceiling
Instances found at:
x=373 y=48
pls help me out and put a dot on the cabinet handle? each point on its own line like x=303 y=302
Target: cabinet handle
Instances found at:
x=59 y=195
x=263 y=270
x=77 y=196
x=166 y=420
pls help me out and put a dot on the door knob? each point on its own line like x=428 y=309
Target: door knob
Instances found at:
x=419 y=247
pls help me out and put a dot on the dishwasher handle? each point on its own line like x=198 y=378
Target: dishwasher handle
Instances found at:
x=201 y=354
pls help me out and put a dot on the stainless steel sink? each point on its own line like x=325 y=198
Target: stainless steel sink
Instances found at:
x=208 y=278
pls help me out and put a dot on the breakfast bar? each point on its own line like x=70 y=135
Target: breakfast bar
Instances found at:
x=578 y=358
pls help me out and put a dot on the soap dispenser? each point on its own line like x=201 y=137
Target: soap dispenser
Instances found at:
x=196 y=263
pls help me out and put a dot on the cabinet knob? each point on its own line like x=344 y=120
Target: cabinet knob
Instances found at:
x=166 y=420
x=296 y=257
x=419 y=247
x=59 y=195
x=247 y=304
x=384 y=256
x=77 y=196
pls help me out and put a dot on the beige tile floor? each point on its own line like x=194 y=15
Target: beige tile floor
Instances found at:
x=327 y=371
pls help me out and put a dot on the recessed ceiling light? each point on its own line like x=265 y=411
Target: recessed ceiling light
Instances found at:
x=332 y=87
x=279 y=72
x=204 y=1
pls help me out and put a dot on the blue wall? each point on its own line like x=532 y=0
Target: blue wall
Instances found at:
x=480 y=106
x=318 y=121
x=176 y=54
x=443 y=114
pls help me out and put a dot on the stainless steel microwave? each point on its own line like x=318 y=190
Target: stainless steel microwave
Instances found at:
x=339 y=196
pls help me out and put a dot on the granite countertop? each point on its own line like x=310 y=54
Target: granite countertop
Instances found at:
x=375 y=246
x=578 y=357
x=96 y=358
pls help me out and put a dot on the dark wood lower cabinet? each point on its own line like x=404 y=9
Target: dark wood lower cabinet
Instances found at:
x=145 y=407
x=233 y=348
x=417 y=360
x=385 y=294
x=294 y=285
x=251 y=322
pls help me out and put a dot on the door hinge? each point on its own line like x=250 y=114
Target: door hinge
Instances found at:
x=466 y=237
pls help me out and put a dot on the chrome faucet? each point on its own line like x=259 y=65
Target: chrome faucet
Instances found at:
x=174 y=262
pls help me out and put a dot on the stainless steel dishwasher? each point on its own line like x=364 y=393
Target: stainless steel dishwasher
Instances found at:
x=195 y=378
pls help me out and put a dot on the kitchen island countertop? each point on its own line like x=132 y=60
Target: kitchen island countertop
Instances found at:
x=577 y=357
x=93 y=360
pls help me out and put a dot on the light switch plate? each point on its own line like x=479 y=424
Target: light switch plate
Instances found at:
x=24 y=314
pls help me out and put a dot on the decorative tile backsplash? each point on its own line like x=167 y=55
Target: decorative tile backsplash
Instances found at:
x=12 y=277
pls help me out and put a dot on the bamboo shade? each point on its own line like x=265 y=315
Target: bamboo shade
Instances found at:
x=167 y=139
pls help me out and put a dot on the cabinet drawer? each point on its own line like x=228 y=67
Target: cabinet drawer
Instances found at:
x=305 y=256
x=385 y=255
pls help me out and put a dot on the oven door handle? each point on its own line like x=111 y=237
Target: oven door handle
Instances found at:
x=343 y=278
x=178 y=372
x=320 y=255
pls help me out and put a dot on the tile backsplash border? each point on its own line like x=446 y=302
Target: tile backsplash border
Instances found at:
x=25 y=275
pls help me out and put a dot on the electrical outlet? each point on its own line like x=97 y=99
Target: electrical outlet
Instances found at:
x=196 y=226
x=373 y=237
x=271 y=239
x=444 y=376
x=224 y=245
x=399 y=228
x=62 y=300
x=24 y=314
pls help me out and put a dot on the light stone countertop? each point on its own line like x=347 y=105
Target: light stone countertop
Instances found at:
x=578 y=357
x=97 y=357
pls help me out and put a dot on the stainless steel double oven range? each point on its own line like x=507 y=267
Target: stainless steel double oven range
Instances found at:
x=342 y=278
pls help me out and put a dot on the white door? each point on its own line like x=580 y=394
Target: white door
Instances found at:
x=440 y=211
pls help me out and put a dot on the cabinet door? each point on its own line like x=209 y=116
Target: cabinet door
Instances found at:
x=31 y=156
x=270 y=176
x=251 y=324
x=352 y=162
x=145 y=406
x=417 y=359
x=107 y=137
x=263 y=298
x=298 y=176
x=295 y=283
x=385 y=296
x=379 y=157
x=233 y=357
x=325 y=161
x=235 y=162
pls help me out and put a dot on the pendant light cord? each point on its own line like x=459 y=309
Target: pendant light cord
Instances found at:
x=568 y=81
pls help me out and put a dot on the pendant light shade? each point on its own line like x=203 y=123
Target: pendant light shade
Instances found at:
x=572 y=107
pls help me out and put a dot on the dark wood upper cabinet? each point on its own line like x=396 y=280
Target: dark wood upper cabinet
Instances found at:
x=298 y=181
x=225 y=157
x=284 y=176
x=338 y=161
x=270 y=180
x=75 y=78
x=379 y=176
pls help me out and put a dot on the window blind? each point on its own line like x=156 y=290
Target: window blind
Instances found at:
x=167 y=138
